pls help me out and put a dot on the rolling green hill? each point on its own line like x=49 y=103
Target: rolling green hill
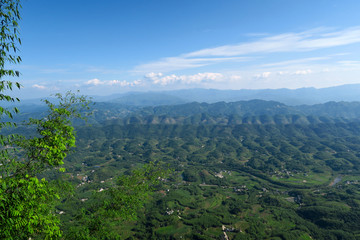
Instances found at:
x=259 y=181
x=250 y=170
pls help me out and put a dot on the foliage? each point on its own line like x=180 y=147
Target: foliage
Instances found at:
x=129 y=193
x=27 y=203
x=9 y=39
x=120 y=202
x=216 y=181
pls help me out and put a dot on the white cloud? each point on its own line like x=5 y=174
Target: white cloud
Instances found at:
x=303 y=72
x=114 y=82
x=123 y=83
x=235 y=78
x=263 y=75
x=153 y=75
x=178 y=63
x=94 y=82
x=295 y=61
x=41 y=87
x=160 y=79
x=288 y=42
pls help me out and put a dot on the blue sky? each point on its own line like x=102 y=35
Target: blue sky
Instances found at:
x=116 y=46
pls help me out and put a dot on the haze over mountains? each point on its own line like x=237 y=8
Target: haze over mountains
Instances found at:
x=300 y=96
x=209 y=106
x=350 y=92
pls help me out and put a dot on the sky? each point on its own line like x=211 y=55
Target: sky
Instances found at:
x=116 y=46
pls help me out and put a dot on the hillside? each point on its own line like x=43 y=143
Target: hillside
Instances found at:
x=260 y=181
x=253 y=111
x=251 y=169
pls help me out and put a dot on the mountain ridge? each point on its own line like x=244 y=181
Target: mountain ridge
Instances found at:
x=293 y=97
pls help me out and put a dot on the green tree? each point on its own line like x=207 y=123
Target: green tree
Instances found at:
x=26 y=202
x=9 y=40
x=121 y=202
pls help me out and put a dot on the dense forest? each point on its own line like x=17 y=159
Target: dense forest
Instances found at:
x=223 y=113
x=237 y=173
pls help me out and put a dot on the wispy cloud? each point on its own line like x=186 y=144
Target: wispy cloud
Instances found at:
x=161 y=79
x=41 y=87
x=183 y=62
x=295 y=61
x=303 y=72
x=263 y=75
x=94 y=82
x=123 y=83
x=288 y=42
x=47 y=87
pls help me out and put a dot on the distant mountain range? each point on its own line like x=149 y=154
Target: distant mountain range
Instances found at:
x=291 y=97
x=350 y=92
x=252 y=112
x=210 y=106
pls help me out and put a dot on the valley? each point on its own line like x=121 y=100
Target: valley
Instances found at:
x=251 y=180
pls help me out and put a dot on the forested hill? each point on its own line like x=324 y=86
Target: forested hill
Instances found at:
x=257 y=181
x=256 y=108
x=242 y=108
x=253 y=111
x=251 y=169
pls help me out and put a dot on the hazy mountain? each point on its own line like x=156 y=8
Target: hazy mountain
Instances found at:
x=148 y=99
x=301 y=96
x=288 y=96
x=242 y=108
x=195 y=112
